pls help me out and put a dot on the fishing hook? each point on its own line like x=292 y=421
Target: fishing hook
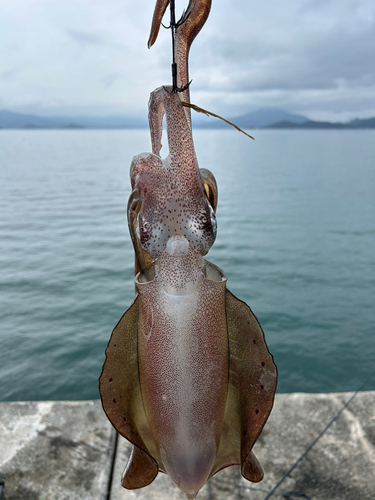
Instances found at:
x=174 y=26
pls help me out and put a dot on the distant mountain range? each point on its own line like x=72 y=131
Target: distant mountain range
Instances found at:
x=262 y=118
x=9 y=119
x=353 y=124
x=278 y=118
x=256 y=119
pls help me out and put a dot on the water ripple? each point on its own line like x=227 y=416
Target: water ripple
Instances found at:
x=296 y=234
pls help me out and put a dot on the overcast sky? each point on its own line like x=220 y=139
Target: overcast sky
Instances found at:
x=314 y=57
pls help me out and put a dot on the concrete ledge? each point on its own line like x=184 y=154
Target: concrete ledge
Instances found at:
x=55 y=450
x=66 y=451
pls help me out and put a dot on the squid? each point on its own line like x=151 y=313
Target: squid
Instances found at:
x=188 y=378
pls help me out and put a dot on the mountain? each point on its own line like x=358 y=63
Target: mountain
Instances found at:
x=256 y=119
x=309 y=124
x=263 y=118
x=266 y=116
x=366 y=123
x=9 y=119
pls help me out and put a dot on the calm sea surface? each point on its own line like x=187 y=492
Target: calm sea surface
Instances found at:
x=296 y=237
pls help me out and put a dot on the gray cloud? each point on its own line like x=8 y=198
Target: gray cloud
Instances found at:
x=84 y=38
x=109 y=79
x=310 y=56
x=7 y=74
x=338 y=57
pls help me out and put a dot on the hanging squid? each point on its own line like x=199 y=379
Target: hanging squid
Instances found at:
x=188 y=378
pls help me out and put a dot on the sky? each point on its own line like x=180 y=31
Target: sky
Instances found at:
x=90 y=57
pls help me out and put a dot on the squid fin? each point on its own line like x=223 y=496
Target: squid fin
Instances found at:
x=120 y=393
x=251 y=391
x=140 y=470
x=251 y=468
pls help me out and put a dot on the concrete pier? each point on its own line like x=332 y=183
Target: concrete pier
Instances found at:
x=67 y=450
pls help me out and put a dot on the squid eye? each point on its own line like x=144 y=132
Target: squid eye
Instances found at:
x=141 y=228
x=213 y=221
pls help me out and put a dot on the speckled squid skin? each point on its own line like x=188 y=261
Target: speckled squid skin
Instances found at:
x=183 y=369
x=182 y=332
x=188 y=378
x=171 y=191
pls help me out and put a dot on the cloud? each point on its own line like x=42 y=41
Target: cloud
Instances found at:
x=109 y=79
x=303 y=55
x=85 y=38
x=310 y=56
x=7 y=74
x=323 y=57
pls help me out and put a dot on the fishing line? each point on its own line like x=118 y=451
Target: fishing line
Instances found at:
x=270 y=494
x=173 y=30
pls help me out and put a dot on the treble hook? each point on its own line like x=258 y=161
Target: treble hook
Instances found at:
x=173 y=26
x=180 y=22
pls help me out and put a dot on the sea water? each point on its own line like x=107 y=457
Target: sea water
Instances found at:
x=296 y=237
